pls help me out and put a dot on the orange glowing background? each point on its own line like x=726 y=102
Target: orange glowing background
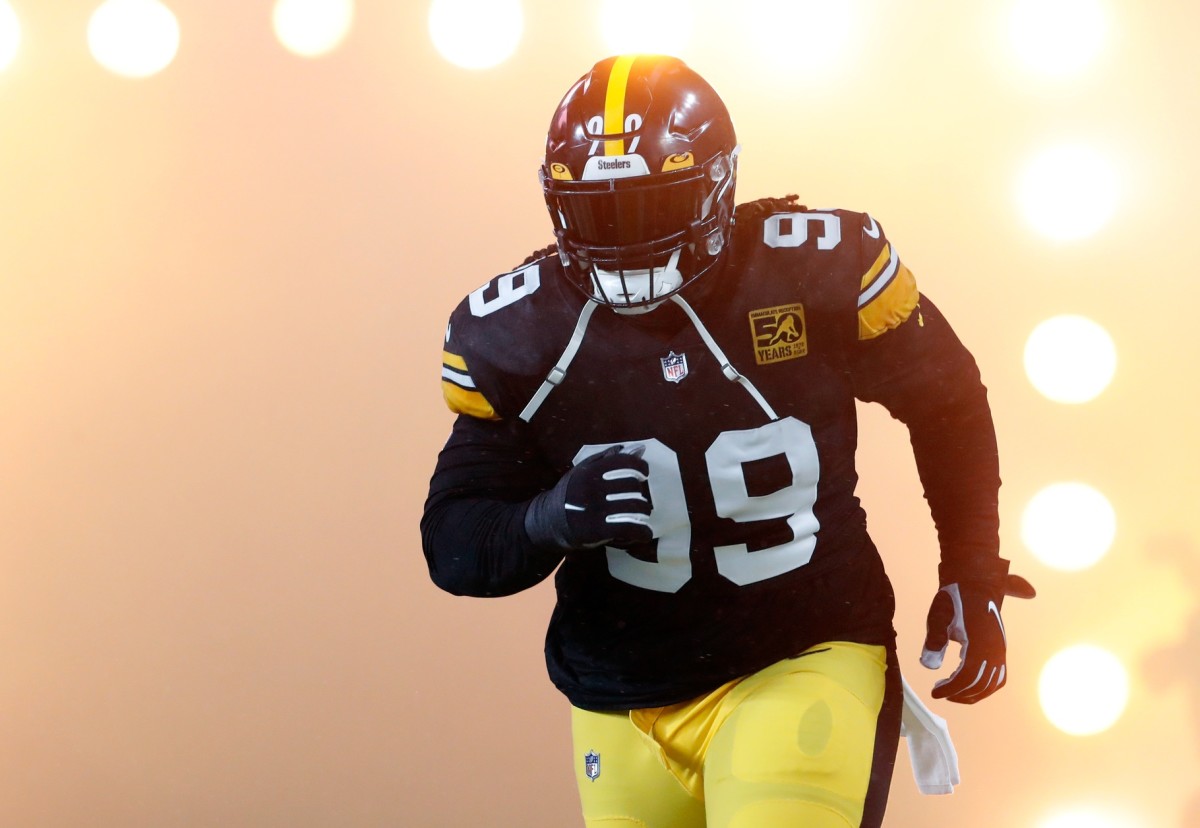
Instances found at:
x=223 y=289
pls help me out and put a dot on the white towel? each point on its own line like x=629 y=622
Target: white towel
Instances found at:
x=934 y=760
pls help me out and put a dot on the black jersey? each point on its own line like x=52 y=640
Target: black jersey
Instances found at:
x=743 y=398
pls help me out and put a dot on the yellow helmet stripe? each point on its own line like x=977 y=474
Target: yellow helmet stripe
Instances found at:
x=614 y=104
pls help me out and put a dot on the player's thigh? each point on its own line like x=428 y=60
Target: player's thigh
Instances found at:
x=800 y=747
x=622 y=783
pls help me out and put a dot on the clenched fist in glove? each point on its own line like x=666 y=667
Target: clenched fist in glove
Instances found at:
x=604 y=499
x=967 y=611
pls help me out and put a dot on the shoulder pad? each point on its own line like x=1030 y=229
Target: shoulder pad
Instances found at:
x=500 y=340
x=857 y=256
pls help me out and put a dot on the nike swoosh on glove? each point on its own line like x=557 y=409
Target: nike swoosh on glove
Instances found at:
x=968 y=612
x=602 y=500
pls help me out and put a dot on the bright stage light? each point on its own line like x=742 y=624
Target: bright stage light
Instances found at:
x=476 y=34
x=808 y=36
x=1068 y=526
x=1070 y=359
x=663 y=27
x=1057 y=37
x=1068 y=192
x=1083 y=690
x=10 y=35
x=134 y=38
x=310 y=28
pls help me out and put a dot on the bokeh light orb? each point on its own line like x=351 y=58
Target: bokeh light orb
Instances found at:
x=1083 y=690
x=1068 y=192
x=1068 y=526
x=810 y=37
x=476 y=34
x=664 y=27
x=1070 y=359
x=310 y=28
x=10 y=34
x=1057 y=37
x=133 y=38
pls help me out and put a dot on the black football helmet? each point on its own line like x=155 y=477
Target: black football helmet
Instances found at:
x=641 y=159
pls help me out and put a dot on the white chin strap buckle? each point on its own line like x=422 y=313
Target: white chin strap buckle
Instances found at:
x=624 y=288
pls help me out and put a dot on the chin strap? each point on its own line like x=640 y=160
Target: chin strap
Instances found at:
x=559 y=371
x=727 y=368
x=560 y=368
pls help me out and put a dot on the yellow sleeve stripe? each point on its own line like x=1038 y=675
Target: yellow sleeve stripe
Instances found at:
x=453 y=361
x=462 y=401
x=459 y=389
x=454 y=370
x=614 y=104
x=878 y=276
x=890 y=306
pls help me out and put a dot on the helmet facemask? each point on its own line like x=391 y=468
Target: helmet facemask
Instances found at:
x=631 y=242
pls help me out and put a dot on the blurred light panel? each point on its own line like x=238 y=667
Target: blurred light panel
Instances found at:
x=1083 y=690
x=476 y=34
x=10 y=35
x=1058 y=37
x=1068 y=526
x=133 y=38
x=663 y=27
x=311 y=28
x=1068 y=192
x=811 y=36
x=1070 y=359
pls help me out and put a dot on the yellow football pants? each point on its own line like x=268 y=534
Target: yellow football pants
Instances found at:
x=807 y=742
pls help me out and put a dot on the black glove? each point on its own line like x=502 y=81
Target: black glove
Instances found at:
x=968 y=611
x=605 y=499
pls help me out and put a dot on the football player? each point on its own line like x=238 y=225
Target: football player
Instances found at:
x=660 y=408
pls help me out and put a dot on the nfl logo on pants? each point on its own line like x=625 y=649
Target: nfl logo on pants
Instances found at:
x=591 y=764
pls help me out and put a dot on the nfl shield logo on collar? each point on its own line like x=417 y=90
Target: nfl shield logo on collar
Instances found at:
x=674 y=367
x=591 y=764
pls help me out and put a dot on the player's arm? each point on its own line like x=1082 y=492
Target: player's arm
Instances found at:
x=923 y=374
x=499 y=520
x=926 y=378
x=909 y=359
x=472 y=529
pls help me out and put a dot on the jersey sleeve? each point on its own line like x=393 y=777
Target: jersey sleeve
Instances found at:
x=923 y=374
x=502 y=340
x=887 y=293
x=472 y=528
x=459 y=389
x=473 y=524
x=473 y=339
